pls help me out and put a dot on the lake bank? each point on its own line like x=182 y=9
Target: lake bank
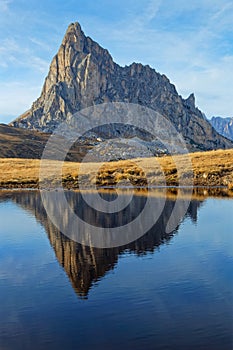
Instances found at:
x=209 y=170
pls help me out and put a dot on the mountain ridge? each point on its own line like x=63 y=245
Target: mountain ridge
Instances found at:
x=224 y=126
x=83 y=74
x=29 y=144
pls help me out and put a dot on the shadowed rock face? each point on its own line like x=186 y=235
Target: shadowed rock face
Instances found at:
x=223 y=125
x=83 y=74
x=86 y=265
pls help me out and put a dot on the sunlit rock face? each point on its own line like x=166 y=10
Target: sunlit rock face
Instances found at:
x=83 y=74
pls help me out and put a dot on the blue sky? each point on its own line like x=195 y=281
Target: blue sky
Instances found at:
x=189 y=41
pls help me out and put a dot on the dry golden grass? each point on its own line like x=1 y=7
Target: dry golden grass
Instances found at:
x=213 y=168
x=18 y=170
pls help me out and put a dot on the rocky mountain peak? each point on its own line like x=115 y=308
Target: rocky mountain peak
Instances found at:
x=190 y=101
x=223 y=125
x=74 y=36
x=75 y=39
x=83 y=74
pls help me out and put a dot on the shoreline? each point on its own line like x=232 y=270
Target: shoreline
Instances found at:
x=198 y=192
x=208 y=170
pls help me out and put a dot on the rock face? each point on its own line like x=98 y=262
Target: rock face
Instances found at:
x=224 y=126
x=83 y=74
x=86 y=265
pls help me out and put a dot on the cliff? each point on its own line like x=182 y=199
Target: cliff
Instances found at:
x=83 y=74
x=223 y=126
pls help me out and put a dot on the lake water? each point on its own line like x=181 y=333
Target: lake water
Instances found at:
x=163 y=291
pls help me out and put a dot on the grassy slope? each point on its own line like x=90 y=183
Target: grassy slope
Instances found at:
x=21 y=143
x=29 y=144
x=213 y=168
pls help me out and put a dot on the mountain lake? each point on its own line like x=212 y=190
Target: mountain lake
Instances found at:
x=164 y=290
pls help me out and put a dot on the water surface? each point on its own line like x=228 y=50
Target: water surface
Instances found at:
x=163 y=291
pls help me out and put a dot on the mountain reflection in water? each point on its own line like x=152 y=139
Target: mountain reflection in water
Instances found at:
x=85 y=265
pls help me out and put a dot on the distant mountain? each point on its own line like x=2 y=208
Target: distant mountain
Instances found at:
x=224 y=126
x=83 y=74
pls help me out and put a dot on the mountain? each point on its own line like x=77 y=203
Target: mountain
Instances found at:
x=224 y=126
x=23 y=143
x=85 y=265
x=83 y=74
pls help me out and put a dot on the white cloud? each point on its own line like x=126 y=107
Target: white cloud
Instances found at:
x=41 y=44
x=17 y=97
x=211 y=84
x=222 y=11
x=149 y=13
x=196 y=56
x=11 y=53
x=4 y=5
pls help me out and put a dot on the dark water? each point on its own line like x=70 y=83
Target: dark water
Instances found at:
x=163 y=291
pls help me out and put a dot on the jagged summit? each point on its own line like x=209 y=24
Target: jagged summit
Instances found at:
x=74 y=28
x=83 y=74
x=191 y=100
